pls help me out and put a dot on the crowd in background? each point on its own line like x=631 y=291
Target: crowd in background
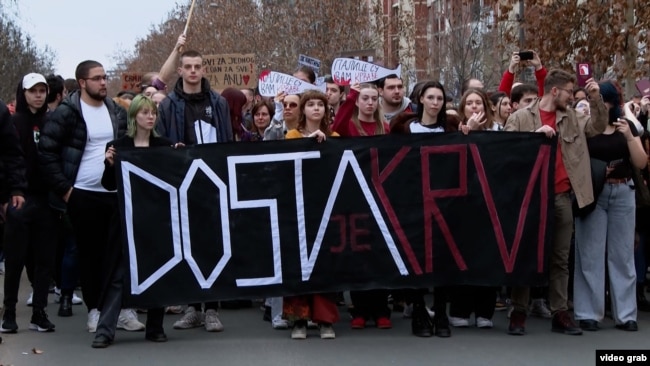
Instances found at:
x=61 y=222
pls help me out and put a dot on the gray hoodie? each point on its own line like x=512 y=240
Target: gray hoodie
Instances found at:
x=406 y=102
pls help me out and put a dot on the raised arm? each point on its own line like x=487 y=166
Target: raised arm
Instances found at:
x=343 y=116
x=598 y=115
x=168 y=69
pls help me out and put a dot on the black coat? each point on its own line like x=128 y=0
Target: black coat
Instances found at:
x=125 y=142
x=12 y=177
x=63 y=141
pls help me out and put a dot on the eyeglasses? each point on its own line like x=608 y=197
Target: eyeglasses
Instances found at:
x=97 y=78
x=566 y=90
x=290 y=105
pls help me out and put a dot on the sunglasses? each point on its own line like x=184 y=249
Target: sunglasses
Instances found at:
x=290 y=105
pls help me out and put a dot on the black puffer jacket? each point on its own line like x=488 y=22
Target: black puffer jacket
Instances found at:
x=63 y=141
x=12 y=163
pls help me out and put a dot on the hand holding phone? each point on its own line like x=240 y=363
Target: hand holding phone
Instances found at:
x=526 y=55
x=583 y=71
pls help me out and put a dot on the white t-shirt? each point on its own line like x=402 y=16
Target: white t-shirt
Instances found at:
x=417 y=127
x=99 y=132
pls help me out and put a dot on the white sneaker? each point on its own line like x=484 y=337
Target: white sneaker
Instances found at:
x=279 y=323
x=408 y=311
x=128 y=320
x=538 y=308
x=212 y=322
x=76 y=300
x=458 y=322
x=327 y=332
x=30 y=299
x=93 y=319
x=191 y=319
x=484 y=323
x=299 y=332
x=311 y=325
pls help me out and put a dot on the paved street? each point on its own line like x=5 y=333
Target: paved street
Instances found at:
x=248 y=340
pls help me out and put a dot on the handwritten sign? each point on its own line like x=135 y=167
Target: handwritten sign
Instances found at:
x=131 y=81
x=233 y=70
x=305 y=60
x=347 y=71
x=271 y=83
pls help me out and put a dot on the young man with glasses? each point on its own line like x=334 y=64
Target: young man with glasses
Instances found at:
x=71 y=152
x=551 y=116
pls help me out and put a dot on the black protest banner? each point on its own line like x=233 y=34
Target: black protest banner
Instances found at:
x=276 y=218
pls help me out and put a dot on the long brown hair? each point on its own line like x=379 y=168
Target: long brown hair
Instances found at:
x=324 y=124
x=378 y=116
x=489 y=116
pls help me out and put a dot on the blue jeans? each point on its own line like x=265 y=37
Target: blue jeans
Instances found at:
x=606 y=237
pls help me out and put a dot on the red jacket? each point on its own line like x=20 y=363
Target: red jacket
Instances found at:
x=508 y=79
x=343 y=123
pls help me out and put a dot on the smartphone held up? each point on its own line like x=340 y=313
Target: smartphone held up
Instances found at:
x=583 y=73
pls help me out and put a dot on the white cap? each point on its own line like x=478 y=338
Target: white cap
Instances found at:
x=32 y=79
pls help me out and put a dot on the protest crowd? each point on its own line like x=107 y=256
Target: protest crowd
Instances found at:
x=61 y=219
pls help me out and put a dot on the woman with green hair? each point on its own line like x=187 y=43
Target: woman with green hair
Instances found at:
x=141 y=120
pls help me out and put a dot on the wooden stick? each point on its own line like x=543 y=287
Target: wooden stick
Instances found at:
x=189 y=17
x=187 y=24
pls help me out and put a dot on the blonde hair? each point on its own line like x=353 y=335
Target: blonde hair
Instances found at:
x=139 y=103
x=378 y=115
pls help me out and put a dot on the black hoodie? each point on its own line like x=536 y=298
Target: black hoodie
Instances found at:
x=28 y=126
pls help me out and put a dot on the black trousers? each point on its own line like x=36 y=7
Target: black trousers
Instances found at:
x=370 y=304
x=466 y=300
x=440 y=298
x=91 y=214
x=30 y=236
x=111 y=304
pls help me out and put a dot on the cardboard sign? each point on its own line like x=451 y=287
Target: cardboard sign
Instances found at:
x=131 y=81
x=347 y=71
x=305 y=60
x=234 y=70
x=271 y=83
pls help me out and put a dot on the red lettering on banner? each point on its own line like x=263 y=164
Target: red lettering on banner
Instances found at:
x=356 y=232
x=344 y=233
x=378 y=178
x=509 y=258
x=431 y=209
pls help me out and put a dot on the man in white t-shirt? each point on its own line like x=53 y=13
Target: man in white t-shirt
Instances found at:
x=71 y=151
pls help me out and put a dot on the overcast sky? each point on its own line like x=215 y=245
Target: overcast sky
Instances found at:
x=79 y=30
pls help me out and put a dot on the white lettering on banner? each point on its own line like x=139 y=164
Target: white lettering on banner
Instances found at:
x=225 y=221
x=272 y=204
x=179 y=214
x=136 y=286
x=348 y=158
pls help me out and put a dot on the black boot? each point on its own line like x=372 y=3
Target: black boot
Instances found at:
x=40 y=322
x=441 y=325
x=421 y=324
x=65 y=307
x=642 y=303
